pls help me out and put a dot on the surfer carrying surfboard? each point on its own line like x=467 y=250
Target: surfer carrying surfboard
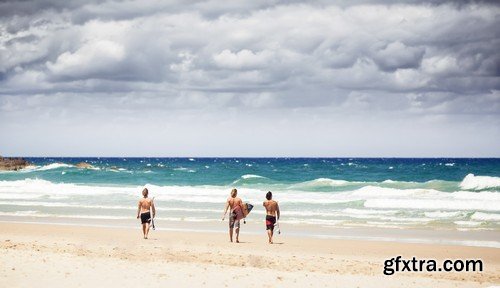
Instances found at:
x=235 y=206
x=272 y=214
x=146 y=206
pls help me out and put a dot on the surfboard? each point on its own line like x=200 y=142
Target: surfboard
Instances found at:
x=151 y=213
x=247 y=207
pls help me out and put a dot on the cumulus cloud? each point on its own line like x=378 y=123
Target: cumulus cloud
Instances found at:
x=244 y=59
x=100 y=56
x=308 y=60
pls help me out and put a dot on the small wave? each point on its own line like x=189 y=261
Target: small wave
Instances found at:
x=249 y=179
x=53 y=166
x=321 y=183
x=250 y=176
x=472 y=182
x=118 y=170
x=184 y=169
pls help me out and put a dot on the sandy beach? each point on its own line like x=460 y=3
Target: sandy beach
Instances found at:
x=42 y=255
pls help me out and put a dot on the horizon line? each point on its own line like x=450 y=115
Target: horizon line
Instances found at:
x=272 y=157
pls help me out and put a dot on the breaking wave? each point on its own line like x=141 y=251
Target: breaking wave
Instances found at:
x=472 y=182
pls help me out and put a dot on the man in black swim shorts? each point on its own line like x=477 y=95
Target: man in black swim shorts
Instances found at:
x=270 y=221
x=145 y=205
x=146 y=218
x=272 y=214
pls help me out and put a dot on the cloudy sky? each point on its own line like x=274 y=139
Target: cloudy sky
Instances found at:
x=250 y=78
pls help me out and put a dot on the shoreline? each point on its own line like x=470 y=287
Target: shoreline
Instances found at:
x=67 y=255
x=487 y=238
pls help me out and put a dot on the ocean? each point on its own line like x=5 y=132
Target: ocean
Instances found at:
x=436 y=193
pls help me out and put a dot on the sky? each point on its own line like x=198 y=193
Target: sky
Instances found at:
x=256 y=78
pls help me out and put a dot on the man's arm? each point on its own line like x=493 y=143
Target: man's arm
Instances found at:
x=278 y=210
x=153 y=208
x=138 y=209
x=225 y=210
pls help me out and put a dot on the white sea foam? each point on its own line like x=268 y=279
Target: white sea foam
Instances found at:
x=480 y=216
x=368 y=192
x=34 y=188
x=468 y=223
x=432 y=204
x=369 y=212
x=443 y=214
x=376 y=204
x=472 y=182
x=44 y=215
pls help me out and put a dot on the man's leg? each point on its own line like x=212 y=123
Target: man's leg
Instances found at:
x=144 y=230
x=147 y=231
x=270 y=236
x=231 y=234
x=238 y=233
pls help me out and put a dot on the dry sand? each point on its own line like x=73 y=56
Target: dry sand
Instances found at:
x=41 y=255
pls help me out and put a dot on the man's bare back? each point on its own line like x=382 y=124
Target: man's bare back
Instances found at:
x=271 y=207
x=234 y=202
x=145 y=204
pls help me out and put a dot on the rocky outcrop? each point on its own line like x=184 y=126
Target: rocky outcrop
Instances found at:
x=84 y=165
x=12 y=164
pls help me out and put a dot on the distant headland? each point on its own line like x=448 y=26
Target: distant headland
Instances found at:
x=12 y=164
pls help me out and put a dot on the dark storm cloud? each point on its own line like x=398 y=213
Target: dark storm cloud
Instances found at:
x=312 y=61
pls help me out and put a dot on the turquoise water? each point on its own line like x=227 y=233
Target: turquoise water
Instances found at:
x=437 y=193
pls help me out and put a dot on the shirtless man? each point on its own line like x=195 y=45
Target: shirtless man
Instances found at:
x=235 y=206
x=143 y=211
x=272 y=213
